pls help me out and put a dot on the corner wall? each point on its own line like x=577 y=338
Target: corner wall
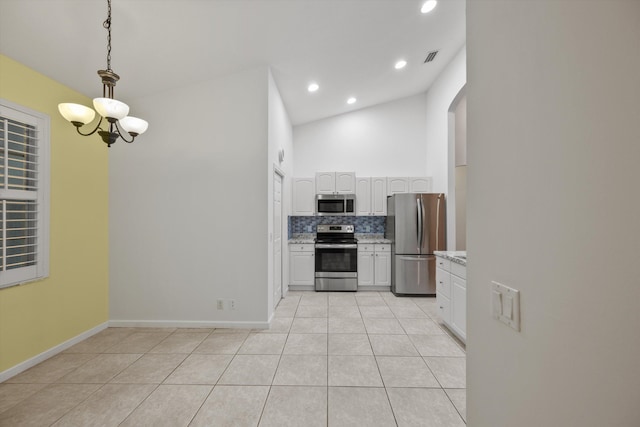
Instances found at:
x=280 y=136
x=441 y=94
x=189 y=207
x=553 y=211
x=38 y=316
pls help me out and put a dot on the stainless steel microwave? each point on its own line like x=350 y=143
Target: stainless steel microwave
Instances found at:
x=336 y=204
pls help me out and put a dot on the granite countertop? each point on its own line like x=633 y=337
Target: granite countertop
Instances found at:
x=459 y=257
x=362 y=238
x=303 y=238
x=372 y=238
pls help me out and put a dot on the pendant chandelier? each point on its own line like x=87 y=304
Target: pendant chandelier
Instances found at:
x=114 y=111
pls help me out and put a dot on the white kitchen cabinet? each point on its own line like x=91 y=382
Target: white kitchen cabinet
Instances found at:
x=397 y=185
x=366 y=256
x=304 y=197
x=459 y=306
x=335 y=182
x=374 y=265
x=302 y=264
x=382 y=264
x=371 y=196
x=421 y=184
x=451 y=295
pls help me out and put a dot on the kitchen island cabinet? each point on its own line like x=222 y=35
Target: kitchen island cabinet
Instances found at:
x=451 y=291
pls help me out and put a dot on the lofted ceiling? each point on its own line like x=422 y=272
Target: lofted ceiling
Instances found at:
x=349 y=47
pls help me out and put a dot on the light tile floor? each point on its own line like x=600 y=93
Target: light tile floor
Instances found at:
x=329 y=359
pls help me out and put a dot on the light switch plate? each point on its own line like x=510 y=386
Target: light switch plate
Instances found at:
x=505 y=305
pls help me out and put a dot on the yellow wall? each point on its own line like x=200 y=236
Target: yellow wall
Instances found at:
x=40 y=315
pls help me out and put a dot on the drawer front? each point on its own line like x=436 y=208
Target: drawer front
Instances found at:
x=459 y=270
x=301 y=247
x=383 y=248
x=442 y=263
x=444 y=308
x=443 y=282
x=366 y=247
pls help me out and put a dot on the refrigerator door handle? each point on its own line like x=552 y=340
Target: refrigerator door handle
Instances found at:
x=420 y=223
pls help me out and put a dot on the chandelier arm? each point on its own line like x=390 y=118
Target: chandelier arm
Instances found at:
x=92 y=132
x=122 y=133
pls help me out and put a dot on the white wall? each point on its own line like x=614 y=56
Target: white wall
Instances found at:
x=439 y=98
x=442 y=98
x=384 y=140
x=279 y=136
x=188 y=212
x=553 y=127
x=460 y=116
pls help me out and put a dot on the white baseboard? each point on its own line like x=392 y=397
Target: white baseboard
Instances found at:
x=302 y=288
x=374 y=288
x=21 y=367
x=187 y=324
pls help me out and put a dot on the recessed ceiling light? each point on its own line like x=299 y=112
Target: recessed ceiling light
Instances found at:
x=313 y=87
x=351 y=100
x=428 y=6
x=400 y=64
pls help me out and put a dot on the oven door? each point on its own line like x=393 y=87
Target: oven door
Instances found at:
x=336 y=267
x=336 y=260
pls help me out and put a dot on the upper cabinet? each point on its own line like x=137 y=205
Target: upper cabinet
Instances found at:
x=304 y=196
x=419 y=185
x=371 y=196
x=397 y=185
x=335 y=182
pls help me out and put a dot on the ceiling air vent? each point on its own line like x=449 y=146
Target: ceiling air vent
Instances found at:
x=431 y=56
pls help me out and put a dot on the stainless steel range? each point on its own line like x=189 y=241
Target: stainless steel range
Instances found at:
x=336 y=258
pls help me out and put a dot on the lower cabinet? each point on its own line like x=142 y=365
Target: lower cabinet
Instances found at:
x=451 y=295
x=302 y=264
x=374 y=265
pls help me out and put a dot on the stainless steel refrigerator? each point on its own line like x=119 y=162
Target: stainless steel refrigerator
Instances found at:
x=416 y=225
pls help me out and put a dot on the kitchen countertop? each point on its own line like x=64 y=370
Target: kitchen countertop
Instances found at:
x=459 y=257
x=298 y=239
x=303 y=238
x=372 y=238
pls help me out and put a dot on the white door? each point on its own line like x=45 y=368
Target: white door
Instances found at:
x=277 y=238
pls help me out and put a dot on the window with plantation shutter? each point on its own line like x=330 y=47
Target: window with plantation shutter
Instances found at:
x=24 y=194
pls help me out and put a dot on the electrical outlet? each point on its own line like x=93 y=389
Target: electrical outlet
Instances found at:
x=232 y=304
x=220 y=304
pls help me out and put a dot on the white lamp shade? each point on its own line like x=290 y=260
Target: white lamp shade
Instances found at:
x=134 y=125
x=76 y=113
x=111 y=108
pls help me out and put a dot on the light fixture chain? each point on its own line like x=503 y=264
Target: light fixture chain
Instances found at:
x=107 y=24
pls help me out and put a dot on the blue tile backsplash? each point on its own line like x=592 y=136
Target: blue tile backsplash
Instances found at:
x=364 y=224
